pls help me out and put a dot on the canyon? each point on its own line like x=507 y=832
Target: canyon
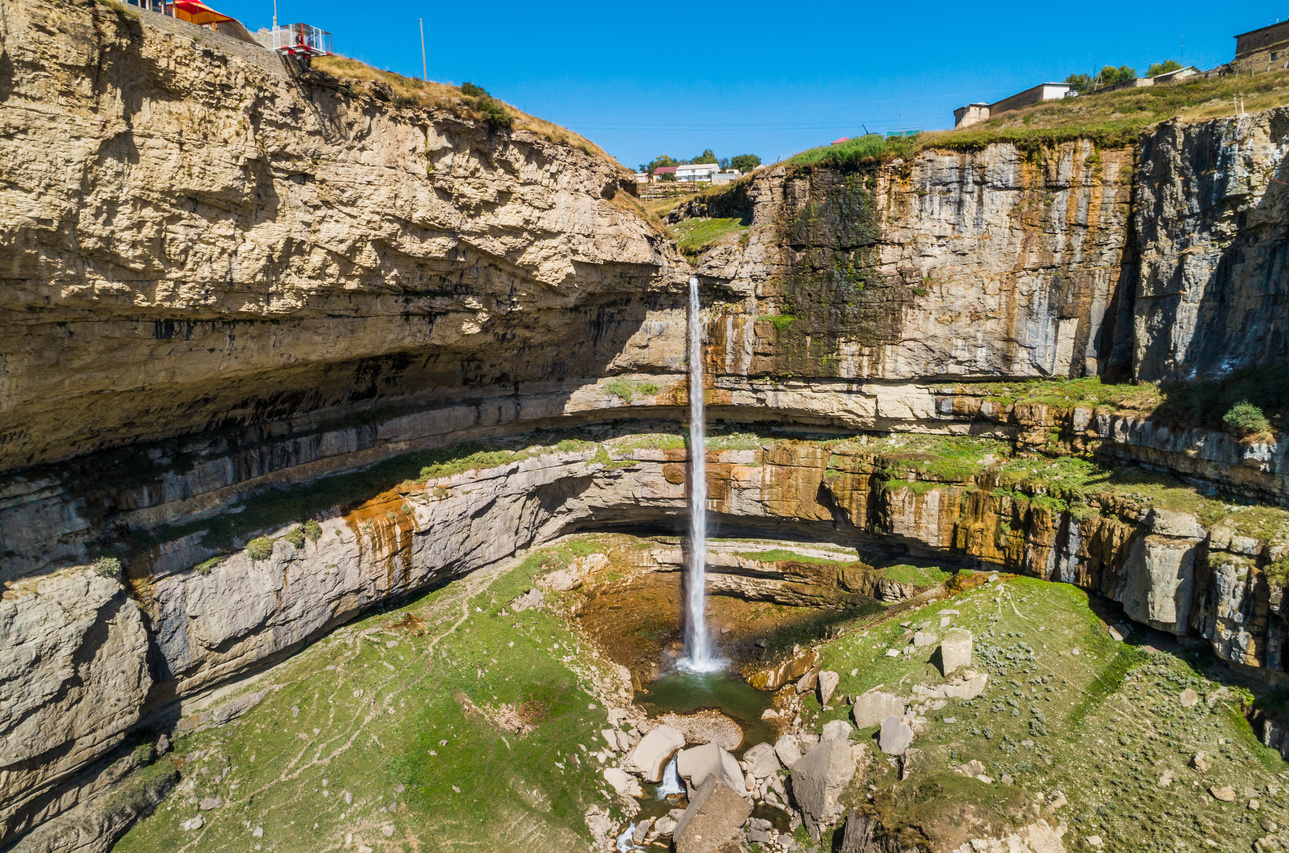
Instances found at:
x=280 y=349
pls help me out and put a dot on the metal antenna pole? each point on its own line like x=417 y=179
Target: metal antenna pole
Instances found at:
x=425 y=74
x=275 y=14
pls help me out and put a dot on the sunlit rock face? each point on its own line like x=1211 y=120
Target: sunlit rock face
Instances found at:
x=221 y=280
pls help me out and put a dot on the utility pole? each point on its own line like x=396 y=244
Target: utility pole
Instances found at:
x=275 y=14
x=425 y=74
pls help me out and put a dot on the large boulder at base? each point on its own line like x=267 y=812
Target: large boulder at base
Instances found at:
x=896 y=736
x=874 y=706
x=818 y=780
x=762 y=761
x=837 y=729
x=697 y=764
x=955 y=649
x=653 y=751
x=712 y=820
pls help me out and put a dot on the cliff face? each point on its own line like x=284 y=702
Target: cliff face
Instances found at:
x=194 y=241
x=237 y=300
x=991 y=263
x=1160 y=263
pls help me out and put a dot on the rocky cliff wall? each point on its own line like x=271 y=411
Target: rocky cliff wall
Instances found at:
x=1163 y=261
x=193 y=242
x=183 y=629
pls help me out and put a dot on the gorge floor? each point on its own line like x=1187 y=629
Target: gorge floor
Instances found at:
x=455 y=723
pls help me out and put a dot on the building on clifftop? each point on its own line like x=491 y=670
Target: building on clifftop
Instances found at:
x=976 y=113
x=1264 y=49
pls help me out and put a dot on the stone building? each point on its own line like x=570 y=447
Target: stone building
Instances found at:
x=976 y=113
x=1263 y=49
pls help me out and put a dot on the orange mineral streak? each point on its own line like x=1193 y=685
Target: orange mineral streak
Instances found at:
x=384 y=527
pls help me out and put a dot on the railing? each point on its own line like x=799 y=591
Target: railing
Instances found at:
x=302 y=39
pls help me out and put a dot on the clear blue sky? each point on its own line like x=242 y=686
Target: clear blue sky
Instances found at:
x=762 y=78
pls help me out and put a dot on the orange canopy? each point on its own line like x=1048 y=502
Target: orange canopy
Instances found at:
x=198 y=12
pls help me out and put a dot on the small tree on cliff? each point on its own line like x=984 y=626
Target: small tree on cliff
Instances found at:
x=745 y=162
x=1163 y=67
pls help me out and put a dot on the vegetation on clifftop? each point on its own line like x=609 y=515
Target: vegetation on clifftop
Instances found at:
x=1109 y=119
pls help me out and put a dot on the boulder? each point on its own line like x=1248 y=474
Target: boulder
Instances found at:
x=788 y=748
x=955 y=649
x=837 y=729
x=1189 y=698
x=923 y=638
x=713 y=819
x=623 y=782
x=762 y=761
x=818 y=780
x=653 y=752
x=530 y=600
x=874 y=706
x=808 y=681
x=697 y=764
x=828 y=681
x=896 y=736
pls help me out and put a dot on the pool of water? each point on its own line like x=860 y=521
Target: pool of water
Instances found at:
x=681 y=692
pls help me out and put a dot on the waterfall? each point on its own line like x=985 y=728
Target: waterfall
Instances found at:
x=698 y=645
x=670 y=781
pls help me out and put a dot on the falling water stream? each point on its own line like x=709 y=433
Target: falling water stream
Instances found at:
x=698 y=643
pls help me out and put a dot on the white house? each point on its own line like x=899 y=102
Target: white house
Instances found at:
x=728 y=177
x=696 y=171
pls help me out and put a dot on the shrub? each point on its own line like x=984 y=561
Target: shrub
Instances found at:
x=260 y=548
x=470 y=90
x=1245 y=419
x=493 y=113
x=206 y=566
x=295 y=536
x=313 y=530
x=107 y=567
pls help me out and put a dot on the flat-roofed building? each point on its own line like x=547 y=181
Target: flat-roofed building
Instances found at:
x=976 y=113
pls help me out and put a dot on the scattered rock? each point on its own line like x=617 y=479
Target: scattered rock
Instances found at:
x=387 y=830
x=837 y=729
x=896 y=736
x=624 y=783
x=564 y=580
x=210 y=803
x=698 y=763
x=955 y=649
x=257 y=832
x=889 y=590
x=818 y=780
x=762 y=761
x=1199 y=762
x=653 y=752
x=193 y=823
x=664 y=826
x=828 y=681
x=163 y=745
x=528 y=601
x=713 y=818
x=923 y=638
x=1189 y=698
x=1166 y=779
x=873 y=707
x=788 y=748
x=599 y=822
x=1225 y=793
x=808 y=681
